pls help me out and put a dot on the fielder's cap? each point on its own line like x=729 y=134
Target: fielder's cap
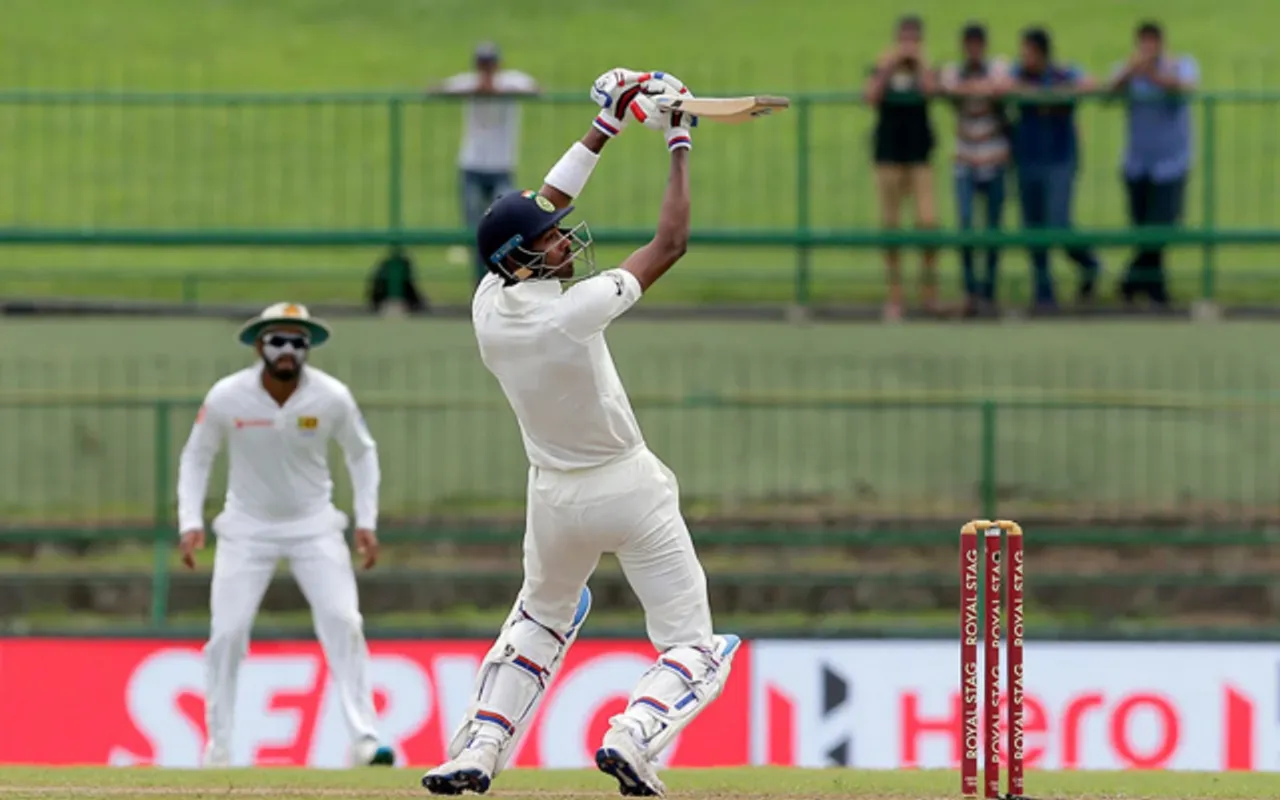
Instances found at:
x=975 y=32
x=515 y=220
x=487 y=52
x=284 y=315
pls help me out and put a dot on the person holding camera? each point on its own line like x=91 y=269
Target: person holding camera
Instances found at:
x=902 y=143
x=1158 y=150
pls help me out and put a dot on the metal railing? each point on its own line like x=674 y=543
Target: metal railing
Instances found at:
x=1117 y=439
x=787 y=455
x=167 y=180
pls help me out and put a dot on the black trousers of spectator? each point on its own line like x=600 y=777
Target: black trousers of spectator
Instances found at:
x=1151 y=203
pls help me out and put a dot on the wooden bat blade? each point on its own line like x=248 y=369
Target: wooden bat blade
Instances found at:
x=725 y=109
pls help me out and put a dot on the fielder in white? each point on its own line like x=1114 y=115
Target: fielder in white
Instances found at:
x=278 y=417
x=594 y=486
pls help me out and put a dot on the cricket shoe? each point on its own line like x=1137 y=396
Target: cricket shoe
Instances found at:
x=215 y=757
x=471 y=771
x=726 y=646
x=622 y=756
x=369 y=753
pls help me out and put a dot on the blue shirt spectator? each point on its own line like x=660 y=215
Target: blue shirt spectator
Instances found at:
x=1157 y=154
x=1046 y=154
x=1159 y=115
x=1045 y=133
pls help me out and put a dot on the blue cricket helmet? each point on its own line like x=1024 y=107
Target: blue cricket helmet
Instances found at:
x=516 y=220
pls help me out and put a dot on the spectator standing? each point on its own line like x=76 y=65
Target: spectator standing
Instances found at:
x=490 y=135
x=1157 y=155
x=903 y=141
x=982 y=151
x=1046 y=152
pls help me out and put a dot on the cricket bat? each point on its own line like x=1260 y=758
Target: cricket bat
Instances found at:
x=732 y=110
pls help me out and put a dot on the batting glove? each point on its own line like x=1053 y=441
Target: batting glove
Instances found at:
x=614 y=92
x=664 y=82
x=675 y=125
x=657 y=84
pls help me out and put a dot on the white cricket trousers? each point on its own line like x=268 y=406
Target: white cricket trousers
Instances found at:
x=245 y=558
x=632 y=508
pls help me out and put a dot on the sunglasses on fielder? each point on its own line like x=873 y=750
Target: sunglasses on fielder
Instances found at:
x=282 y=340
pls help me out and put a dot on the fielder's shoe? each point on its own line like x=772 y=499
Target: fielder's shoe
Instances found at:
x=622 y=756
x=215 y=757
x=369 y=753
x=471 y=771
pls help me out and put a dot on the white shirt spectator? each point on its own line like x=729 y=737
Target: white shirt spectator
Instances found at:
x=491 y=125
x=278 y=470
x=547 y=349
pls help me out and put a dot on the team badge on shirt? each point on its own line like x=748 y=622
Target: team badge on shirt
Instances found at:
x=308 y=424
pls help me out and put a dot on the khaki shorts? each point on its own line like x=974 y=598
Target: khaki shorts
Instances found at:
x=895 y=183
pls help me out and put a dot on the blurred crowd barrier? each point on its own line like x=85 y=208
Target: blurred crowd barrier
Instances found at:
x=1160 y=438
x=187 y=185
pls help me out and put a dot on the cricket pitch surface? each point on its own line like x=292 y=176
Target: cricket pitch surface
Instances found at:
x=761 y=783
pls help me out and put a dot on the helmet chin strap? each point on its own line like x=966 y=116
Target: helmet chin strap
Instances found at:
x=534 y=265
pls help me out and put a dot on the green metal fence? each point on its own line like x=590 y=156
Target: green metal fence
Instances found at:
x=1082 y=582
x=182 y=185
x=825 y=474
x=772 y=436
x=1145 y=508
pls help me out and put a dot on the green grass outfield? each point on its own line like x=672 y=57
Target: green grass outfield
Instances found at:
x=324 y=165
x=1112 y=419
x=31 y=783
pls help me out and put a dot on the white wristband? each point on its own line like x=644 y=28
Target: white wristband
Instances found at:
x=678 y=138
x=571 y=172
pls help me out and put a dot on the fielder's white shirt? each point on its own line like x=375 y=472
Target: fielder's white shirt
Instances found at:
x=491 y=125
x=278 y=470
x=546 y=347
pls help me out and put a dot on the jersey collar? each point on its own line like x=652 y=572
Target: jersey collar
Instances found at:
x=532 y=292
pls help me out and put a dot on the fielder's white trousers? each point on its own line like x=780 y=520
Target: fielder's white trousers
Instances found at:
x=631 y=508
x=245 y=559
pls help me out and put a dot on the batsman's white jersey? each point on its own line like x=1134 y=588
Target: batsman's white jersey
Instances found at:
x=594 y=486
x=279 y=506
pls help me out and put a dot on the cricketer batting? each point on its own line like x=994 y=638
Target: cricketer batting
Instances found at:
x=593 y=486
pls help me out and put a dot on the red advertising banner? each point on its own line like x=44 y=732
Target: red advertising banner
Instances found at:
x=141 y=702
x=861 y=704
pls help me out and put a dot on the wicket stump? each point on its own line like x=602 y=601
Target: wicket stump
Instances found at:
x=995 y=536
